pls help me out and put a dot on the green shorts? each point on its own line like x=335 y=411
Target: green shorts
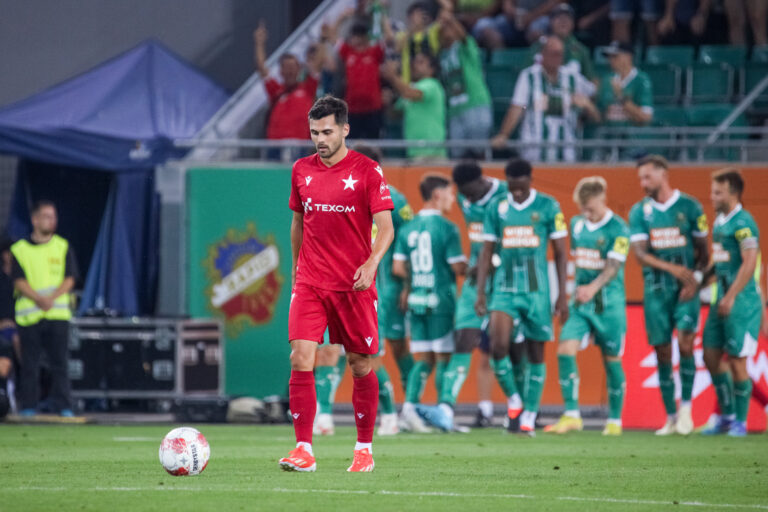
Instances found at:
x=391 y=319
x=664 y=313
x=737 y=333
x=431 y=333
x=466 y=318
x=531 y=311
x=609 y=328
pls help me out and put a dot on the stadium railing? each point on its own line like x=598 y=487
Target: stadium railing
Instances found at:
x=684 y=144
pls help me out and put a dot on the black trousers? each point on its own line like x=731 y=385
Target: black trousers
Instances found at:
x=51 y=336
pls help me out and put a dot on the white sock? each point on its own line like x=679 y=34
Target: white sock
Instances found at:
x=528 y=419
x=514 y=402
x=614 y=422
x=486 y=408
x=363 y=446
x=685 y=403
x=671 y=418
x=447 y=410
x=408 y=408
x=306 y=446
x=572 y=414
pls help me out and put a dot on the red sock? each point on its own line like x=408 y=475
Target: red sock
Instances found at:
x=759 y=393
x=365 y=401
x=302 y=400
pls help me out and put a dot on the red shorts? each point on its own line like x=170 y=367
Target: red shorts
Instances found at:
x=350 y=317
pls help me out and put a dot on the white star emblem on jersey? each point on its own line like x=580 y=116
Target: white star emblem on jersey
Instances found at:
x=379 y=170
x=349 y=182
x=308 y=179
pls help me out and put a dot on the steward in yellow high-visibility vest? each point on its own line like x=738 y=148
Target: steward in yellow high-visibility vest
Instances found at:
x=43 y=272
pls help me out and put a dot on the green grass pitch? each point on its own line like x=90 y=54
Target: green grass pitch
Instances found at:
x=114 y=468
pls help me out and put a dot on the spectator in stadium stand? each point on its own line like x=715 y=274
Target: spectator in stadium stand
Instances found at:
x=291 y=98
x=362 y=60
x=461 y=73
x=422 y=35
x=738 y=11
x=622 y=12
x=684 y=21
x=561 y=22
x=625 y=97
x=500 y=28
x=423 y=104
x=44 y=271
x=593 y=26
x=9 y=338
x=549 y=97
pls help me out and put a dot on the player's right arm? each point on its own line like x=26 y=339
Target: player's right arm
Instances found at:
x=484 y=261
x=639 y=238
x=297 y=236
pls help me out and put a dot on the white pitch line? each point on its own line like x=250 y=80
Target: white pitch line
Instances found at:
x=384 y=492
x=133 y=439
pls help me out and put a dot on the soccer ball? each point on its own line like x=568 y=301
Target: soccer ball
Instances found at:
x=184 y=451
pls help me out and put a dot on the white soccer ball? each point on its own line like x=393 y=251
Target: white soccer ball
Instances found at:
x=184 y=452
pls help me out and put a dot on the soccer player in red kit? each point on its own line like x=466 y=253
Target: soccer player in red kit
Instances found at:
x=335 y=195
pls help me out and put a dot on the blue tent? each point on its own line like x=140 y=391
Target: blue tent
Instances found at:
x=91 y=145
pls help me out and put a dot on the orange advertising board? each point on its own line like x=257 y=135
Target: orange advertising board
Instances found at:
x=623 y=192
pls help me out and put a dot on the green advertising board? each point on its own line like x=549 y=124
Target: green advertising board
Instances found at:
x=239 y=270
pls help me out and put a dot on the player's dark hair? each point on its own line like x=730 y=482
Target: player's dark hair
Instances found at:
x=371 y=152
x=359 y=28
x=657 y=161
x=39 y=205
x=517 y=168
x=732 y=177
x=430 y=183
x=330 y=105
x=417 y=6
x=466 y=171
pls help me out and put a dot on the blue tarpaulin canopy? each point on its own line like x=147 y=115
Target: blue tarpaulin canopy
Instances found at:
x=91 y=144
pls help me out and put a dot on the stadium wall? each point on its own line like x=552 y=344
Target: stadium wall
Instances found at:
x=238 y=269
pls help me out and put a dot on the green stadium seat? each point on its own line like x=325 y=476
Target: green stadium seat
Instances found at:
x=681 y=56
x=753 y=74
x=735 y=56
x=513 y=57
x=709 y=83
x=760 y=54
x=711 y=115
x=501 y=81
x=500 y=108
x=666 y=116
x=602 y=70
x=667 y=82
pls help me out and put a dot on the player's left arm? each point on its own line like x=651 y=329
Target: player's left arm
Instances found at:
x=366 y=272
x=700 y=230
x=748 y=247
x=616 y=258
x=297 y=236
x=558 y=236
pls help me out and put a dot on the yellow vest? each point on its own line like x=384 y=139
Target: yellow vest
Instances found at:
x=44 y=266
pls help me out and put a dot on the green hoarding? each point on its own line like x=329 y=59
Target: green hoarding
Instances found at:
x=239 y=270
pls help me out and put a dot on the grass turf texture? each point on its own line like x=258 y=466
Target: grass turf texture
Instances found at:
x=116 y=468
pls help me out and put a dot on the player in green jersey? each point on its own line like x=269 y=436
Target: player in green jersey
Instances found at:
x=428 y=256
x=733 y=324
x=476 y=192
x=668 y=233
x=599 y=246
x=330 y=362
x=520 y=225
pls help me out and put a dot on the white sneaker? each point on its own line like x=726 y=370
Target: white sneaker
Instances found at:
x=323 y=425
x=388 y=426
x=413 y=422
x=668 y=429
x=684 y=425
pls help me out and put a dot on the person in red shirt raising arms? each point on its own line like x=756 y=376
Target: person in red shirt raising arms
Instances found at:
x=336 y=194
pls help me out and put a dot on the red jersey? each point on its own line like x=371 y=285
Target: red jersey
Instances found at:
x=338 y=204
x=288 y=118
x=363 y=80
